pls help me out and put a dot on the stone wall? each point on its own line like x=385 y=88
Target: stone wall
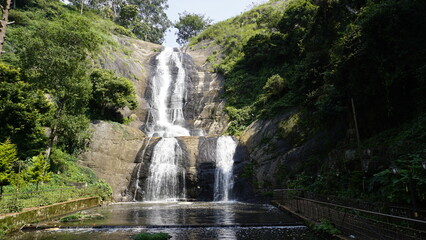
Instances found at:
x=18 y=220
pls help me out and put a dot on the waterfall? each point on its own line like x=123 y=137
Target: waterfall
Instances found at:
x=225 y=150
x=166 y=179
x=168 y=96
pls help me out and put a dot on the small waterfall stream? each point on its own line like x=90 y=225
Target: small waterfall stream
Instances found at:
x=225 y=150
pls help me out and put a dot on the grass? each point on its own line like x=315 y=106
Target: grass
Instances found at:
x=65 y=173
x=49 y=194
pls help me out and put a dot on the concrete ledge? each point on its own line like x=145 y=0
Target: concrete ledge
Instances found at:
x=18 y=220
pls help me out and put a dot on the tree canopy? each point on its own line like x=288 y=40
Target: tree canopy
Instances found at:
x=145 y=18
x=190 y=25
x=24 y=111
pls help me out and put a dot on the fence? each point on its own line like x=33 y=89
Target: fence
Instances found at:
x=374 y=207
x=363 y=224
x=14 y=202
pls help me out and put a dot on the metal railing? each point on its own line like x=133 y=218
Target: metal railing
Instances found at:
x=363 y=224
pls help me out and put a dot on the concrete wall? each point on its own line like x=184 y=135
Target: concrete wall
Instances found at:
x=18 y=220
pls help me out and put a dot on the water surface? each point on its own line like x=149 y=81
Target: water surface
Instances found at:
x=182 y=220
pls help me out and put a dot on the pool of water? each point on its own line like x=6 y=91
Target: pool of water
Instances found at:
x=182 y=220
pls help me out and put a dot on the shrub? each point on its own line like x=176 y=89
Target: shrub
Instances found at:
x=72 y=218
x=326 y=227
x=152 y=236
x=275 y=86
x=14 y=205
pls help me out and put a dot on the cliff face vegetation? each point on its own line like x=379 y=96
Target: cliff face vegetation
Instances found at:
x=293 y=69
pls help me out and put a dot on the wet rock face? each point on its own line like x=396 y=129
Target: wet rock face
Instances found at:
x=203 y=105
x=276 y=145
x=136 y=185
x=198 y=161
x=206 y=166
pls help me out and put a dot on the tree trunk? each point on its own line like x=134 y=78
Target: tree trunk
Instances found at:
x=53 y=138
x=4 y=23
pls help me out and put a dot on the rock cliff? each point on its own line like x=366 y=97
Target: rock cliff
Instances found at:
x=130 y=58
x=277 y=146
x=112 y=152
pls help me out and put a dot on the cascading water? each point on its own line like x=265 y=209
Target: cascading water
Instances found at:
x=166 y=177
x=166 y=180
x=168 y=96
x=225 y=150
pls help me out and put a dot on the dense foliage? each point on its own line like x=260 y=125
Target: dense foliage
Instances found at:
x=23 y=111
x=8 y=157
x=110 y=92
x=315 y=56
x=49 y=90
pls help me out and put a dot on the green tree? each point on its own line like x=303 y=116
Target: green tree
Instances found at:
x=74 y=132
x=8 y=157
x=38 y=172
x=23 y=112
x=128 y=16
x=153 y=20
x=55 y=58
x=111 y=92
x=298 y=16
x=190 y=25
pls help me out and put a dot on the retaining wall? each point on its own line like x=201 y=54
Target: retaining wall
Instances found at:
x=18 y=220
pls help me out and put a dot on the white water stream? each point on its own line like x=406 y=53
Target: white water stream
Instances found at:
x=225 y=150
x=168 y=96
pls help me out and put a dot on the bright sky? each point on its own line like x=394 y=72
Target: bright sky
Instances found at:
x=217 y=10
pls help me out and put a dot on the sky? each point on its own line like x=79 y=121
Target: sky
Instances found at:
x=217 y=10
